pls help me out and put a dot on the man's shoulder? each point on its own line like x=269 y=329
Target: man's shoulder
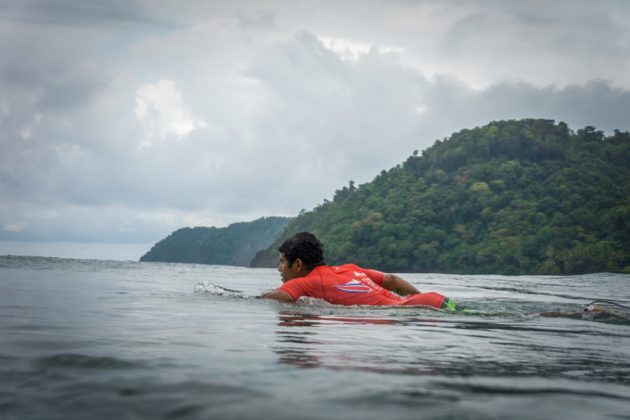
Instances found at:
x=344 y=267
x=341 y=269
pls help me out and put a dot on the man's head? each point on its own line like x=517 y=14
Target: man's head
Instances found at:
x=299 y=255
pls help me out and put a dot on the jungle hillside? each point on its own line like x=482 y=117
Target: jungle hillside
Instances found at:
x=233 y=245
x=513 y=197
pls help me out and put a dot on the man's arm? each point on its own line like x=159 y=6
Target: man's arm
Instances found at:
x=399 y=285
x=279 y=295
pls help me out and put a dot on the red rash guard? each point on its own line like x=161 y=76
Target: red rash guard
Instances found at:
x=351 y=285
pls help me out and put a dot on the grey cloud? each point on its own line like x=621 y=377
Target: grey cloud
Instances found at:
x=73 y=12
x=464 y=34
x=558 y=42
x=73 y=89
x=594 y=103
x=345 y=107
x=258 y=19
x=109 y=223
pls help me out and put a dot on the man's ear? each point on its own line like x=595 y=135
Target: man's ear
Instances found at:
x=299 y=265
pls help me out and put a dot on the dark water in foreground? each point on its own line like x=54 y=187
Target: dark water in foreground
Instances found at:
x=96 y=339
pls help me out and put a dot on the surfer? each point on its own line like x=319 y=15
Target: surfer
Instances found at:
x=305 y=273
x=594 y=308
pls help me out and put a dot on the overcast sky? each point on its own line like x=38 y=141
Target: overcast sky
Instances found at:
x=121 y=121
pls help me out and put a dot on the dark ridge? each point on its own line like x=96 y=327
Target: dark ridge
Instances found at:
x=233 y=245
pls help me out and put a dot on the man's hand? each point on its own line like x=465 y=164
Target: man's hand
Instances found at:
x=399 y=285
x=279 y=295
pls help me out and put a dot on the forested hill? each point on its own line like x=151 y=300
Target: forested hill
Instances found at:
x=233 y=245
x=512 y=197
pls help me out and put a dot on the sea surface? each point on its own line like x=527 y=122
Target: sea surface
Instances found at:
x=89 y=339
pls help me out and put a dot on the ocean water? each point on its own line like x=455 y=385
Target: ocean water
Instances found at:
x=88 y=339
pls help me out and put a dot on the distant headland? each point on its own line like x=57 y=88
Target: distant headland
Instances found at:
x=233 y=245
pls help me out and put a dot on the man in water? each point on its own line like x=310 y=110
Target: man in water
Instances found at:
x=305 y=273
x=589 y=310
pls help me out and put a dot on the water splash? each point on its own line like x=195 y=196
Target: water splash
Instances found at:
x=215 y=289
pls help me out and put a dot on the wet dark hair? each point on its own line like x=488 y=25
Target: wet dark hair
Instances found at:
x=304 y=246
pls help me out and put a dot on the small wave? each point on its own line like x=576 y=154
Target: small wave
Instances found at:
x=511 y=389
x=81 y=361
x=214 y=289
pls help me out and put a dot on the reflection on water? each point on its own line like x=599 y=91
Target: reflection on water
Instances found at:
x=338 y=342
x=451 y=345
x=297 y=336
